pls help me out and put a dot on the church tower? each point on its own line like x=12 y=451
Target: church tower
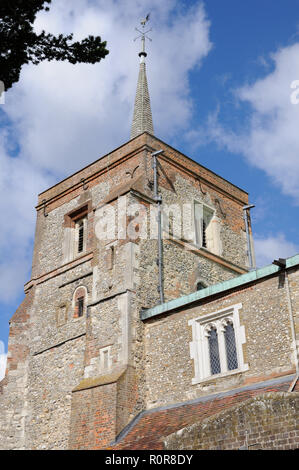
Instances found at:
x=79 y=367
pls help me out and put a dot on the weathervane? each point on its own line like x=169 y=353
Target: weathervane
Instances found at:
x=143 y=35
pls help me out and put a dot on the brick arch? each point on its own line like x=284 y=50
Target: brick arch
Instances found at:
x=79 y=293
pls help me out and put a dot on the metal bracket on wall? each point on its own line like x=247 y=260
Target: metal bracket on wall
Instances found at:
x=84 y=184
x=200 y=185
x=220 y=208
x=131 y=173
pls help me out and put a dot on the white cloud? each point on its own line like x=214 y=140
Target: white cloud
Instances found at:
x=3 y=358
x=69 y=115
x=2 y=365
x=64 y=117
x=273 y=247
x=270 y=139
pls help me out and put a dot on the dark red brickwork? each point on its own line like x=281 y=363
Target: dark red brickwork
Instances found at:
x=93 y=418
x=100 y=412
x=18 y=348
x=133 y=154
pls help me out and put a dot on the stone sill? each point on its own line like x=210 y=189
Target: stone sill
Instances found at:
x=212 y=378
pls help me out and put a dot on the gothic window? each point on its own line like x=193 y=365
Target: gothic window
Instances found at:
x=214 y=352
x=216 y=346
x=230 y=347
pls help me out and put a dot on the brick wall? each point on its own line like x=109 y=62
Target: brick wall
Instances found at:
x=93 y=418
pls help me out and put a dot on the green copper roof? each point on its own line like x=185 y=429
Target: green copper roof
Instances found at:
x=217 y=288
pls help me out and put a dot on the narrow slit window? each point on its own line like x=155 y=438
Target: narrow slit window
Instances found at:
x=230 y=346
x=80 y=306
x=214 y=352
x=112 y=256
x=105 y=359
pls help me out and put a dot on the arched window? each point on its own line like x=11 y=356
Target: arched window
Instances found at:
x=200 y=285
x=80 y=301
x=214 y=352
x=230 y=347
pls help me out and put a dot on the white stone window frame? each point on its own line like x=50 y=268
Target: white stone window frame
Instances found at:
x=199 y=347
x=212 y=230
x=105 y=352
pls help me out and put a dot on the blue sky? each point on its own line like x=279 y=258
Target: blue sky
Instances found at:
x=219 y=75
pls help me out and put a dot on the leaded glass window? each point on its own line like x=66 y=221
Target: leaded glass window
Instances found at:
x=230 y=346
x=214 y=352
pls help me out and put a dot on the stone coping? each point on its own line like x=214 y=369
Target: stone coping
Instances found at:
x=104 y=379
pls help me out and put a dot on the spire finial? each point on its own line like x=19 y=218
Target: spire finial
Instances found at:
x=142 y=118
x=143 y=36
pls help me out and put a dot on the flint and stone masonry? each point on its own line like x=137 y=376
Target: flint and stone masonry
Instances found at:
x=76 y=382
x=94 y=360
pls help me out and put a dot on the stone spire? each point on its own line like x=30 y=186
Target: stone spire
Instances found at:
x=142 y=118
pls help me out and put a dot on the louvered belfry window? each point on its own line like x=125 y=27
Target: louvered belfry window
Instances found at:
x=204 y=234
x=214 y=352
x=81 y=237
x=230 y=346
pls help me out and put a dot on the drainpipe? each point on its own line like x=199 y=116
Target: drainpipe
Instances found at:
x=282 y=264
x=158 y=199
x=246 y=209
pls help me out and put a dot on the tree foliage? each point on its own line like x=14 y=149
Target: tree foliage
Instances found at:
x=20 y=45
